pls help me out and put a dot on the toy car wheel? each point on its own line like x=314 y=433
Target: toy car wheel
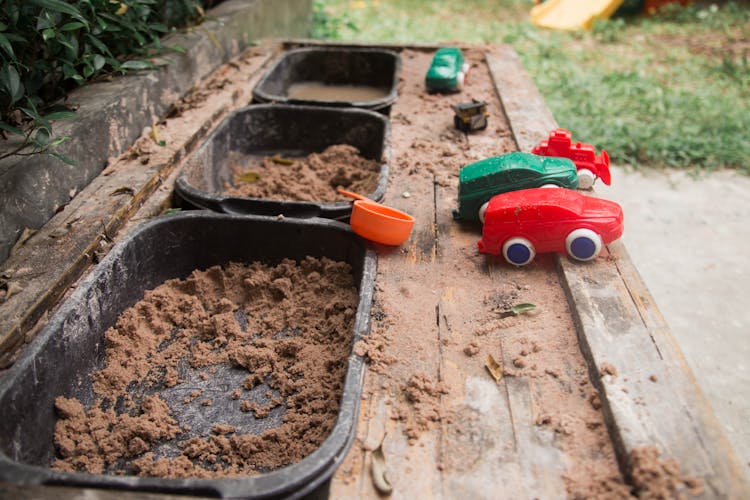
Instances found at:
x=583 y=244
x=586 y=178
x=460 y=78
x=482 y=211
x=518 y=251
x=460 y=125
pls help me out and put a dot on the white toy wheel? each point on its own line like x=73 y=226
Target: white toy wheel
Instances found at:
x=460 y=78
x=482 y=211
x=518 y=251
x=583 y=244
x=586 y=178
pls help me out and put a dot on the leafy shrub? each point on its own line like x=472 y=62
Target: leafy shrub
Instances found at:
x=48 y=47
x=328 y=25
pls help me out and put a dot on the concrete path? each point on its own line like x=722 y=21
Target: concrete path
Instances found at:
x=690 y=240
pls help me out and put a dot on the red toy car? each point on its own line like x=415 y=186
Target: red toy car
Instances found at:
x=518 y=224
x=589 y=165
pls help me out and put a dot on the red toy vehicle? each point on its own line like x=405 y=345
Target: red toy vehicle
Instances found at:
x=589 y=166
x=518 y=224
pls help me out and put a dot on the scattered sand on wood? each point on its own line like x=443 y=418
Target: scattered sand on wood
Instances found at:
x=656 y=479
x=440 y=304
x=283 y=333
x=314 y=178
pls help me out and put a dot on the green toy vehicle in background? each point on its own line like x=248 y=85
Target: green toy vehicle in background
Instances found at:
x=481 y=180
x=448 y=70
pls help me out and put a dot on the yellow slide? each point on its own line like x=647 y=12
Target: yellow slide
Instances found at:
x=572 y=14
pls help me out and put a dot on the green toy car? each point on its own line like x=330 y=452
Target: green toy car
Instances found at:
x=481 y=180
x=448 y=70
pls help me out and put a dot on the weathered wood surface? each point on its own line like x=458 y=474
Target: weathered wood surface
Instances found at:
x=653 y=399
x=473 y=438
x=43 y=267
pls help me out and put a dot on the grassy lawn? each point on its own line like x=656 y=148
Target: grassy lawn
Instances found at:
x=671 y=90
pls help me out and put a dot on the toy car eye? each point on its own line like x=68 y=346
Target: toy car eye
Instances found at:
x=518 y=251
x=583 y=244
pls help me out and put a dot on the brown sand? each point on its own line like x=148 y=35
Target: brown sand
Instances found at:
x=656 y=479
x=314 y=178
x=287 y=328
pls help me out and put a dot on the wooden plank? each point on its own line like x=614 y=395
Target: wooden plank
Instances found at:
x=49 y=262
x=439 y=300
x=405 y=304
x=652 y=399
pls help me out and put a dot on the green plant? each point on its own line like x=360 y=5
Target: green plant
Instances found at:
x=48 y=47
x=329 y=25
x=608 y=30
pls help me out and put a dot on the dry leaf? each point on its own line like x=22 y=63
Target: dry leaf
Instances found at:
x=379 y=478
x=155 y=133
x=249 y=176
x=123 y=190
x=495 y=368
x=281 y=161
x=12 y=288
x=25 y=235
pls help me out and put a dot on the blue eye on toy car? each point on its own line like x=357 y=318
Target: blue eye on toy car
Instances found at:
x=481 y=180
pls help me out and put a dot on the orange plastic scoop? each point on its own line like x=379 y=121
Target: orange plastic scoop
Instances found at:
x=378 y=223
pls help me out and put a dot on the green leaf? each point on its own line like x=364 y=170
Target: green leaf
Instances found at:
x=15 y=37
x=99 y=62
x=522 y=308
x=6 y=46
x=63 y=158
x=10 y=128
x=136 y=64
x=98 y=44
x=12 y=82
x=48 y=34
x=57 y=141
x=72 y=26
x=42 y=138
x=62 y=7
x=39 y=121
x=60 y=115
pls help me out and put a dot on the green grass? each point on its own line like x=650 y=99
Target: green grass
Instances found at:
x=671 y=90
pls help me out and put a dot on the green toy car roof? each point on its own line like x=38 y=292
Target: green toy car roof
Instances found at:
x=443 y=72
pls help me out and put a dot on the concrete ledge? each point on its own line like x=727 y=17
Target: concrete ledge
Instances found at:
x=111 y=115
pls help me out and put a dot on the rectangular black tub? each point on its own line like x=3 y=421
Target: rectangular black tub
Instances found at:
x=283 y=130
x=62 y=357
x=346 y=66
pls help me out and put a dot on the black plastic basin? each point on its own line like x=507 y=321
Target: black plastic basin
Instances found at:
x=62 y=357
x=283 y=130
x=332 y=66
